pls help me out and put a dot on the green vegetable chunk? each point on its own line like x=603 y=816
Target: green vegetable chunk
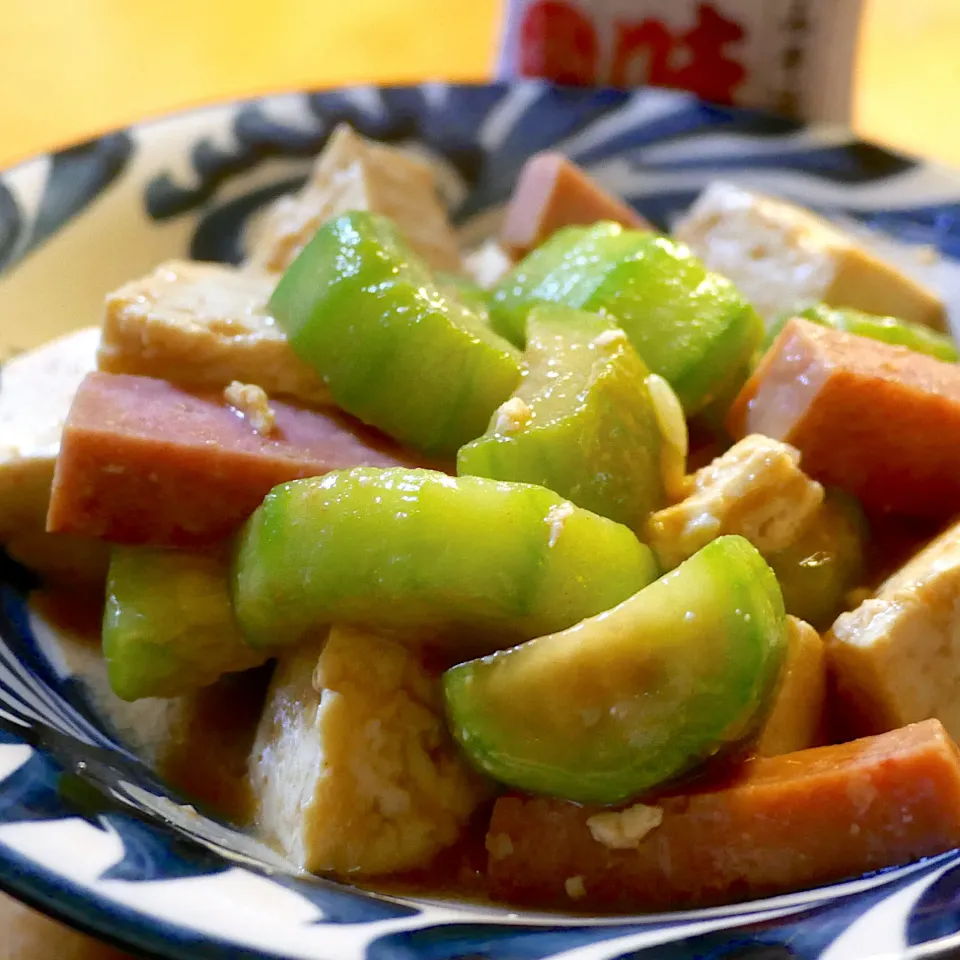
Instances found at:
x=689 y=325
x=464 y=289
x=476 y=563
x=364 y=311
x=581 y=422
x=827 y=561
x=168 y=626
x=632 y=698
x=903 y=333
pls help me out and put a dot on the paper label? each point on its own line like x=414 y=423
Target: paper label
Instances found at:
x=792 y=56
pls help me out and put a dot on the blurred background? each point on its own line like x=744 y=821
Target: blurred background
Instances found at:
x=71 y=68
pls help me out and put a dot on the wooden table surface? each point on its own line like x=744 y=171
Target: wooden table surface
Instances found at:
x=72 y=68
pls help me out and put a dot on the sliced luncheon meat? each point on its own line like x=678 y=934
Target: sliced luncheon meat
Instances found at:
x=144 y=461
x=881 y=421
x=552 y=193
x=784 y=823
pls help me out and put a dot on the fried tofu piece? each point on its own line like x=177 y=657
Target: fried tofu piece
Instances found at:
x=353 y=771
x=204 y=325
x=785 y=258
x=896 y=657
x=756 y=489
x=880 y=421
x=200 y=742
x=356 y=174
x=553 y=192
x=143 y=461
x=781 y=824
x=795 y=720
x=36 y=391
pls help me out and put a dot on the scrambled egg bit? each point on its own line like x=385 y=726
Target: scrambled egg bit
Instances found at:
x=795 y=718
x=252 y=402
x=756 y=489
x=624 y=829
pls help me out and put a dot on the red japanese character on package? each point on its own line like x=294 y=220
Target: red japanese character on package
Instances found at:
x=792 y=56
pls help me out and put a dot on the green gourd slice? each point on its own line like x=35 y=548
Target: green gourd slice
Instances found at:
x=396 y=351
x=690 y=326
x=582 y=421
x=477 y=563
x=629 y=700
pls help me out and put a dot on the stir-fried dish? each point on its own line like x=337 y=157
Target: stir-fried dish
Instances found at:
x=598 y=569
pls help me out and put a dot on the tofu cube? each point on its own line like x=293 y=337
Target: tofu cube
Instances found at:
x=355 y=174
x=353 y=771
x=785 y=258
x=795 y=720
x=897 y=656
x=36 y=391
x=756 y=489
x=204 y=325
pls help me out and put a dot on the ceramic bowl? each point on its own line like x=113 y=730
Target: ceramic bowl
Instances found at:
x=88 y=832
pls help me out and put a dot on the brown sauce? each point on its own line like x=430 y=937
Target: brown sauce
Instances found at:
x=206 y=756
x=77 y=611
x=457 y=872
x=893 y=540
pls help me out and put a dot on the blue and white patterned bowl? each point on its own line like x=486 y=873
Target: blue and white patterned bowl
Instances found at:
x=87 y=830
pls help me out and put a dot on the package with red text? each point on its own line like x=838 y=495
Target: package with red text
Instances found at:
x=792 y=56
